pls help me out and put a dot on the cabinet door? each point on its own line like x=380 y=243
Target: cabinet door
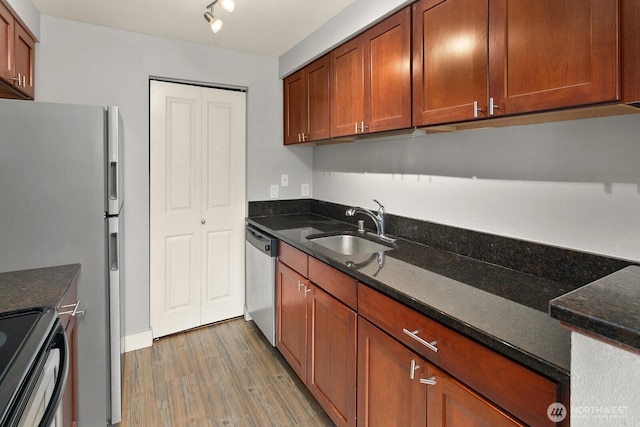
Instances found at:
x=295 y=101
x=347 y=88
x=24 y=51
x=387 y=393
x=552 y=54
x=450 y=60
x=6 y=43
x=317 y=82
x=451 y=404
x=291 y=305
x=331 y=373
x=69 y=322
x=70 y=397
x=387 y=94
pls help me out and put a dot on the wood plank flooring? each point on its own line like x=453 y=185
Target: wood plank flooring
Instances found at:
x=226 y=374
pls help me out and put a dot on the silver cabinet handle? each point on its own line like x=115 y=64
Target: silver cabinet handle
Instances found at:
x=430 y=345
x=356 y=127
x=306 y=291
x=428 y=381
x=413 y=369
x=300 y=284
x=476 y=110
x=363 y=128
x=492 y=106
x=73 y=312
x=24 y=80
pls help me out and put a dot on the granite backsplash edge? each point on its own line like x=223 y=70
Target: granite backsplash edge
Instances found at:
x=572 y=267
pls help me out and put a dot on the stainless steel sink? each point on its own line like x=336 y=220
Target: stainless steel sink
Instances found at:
x=349 y=244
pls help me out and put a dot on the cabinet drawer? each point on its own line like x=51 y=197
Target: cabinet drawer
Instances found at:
x=338 y=284
x=294 y=258
x=515 y=388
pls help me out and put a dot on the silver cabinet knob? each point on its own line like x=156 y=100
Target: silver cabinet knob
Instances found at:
x=202 y=221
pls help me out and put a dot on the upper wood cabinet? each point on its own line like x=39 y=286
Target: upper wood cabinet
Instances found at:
x=552 y=54
x=477 y=59
x=450 y=62
x=306 y=103
x=371 y=79
x=17 y=58
x=7 y=23
x=455 y=61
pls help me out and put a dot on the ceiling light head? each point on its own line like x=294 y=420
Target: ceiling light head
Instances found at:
x=228 y=5
x=216 y=24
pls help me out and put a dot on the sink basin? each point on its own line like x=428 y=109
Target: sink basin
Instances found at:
x=348 y=244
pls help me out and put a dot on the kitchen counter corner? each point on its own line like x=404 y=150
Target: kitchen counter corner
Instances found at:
x=38 y=287
x=608 y=307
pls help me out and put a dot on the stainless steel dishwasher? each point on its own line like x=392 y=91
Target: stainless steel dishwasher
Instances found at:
x=260 y=281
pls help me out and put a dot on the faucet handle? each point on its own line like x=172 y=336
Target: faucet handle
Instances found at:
x=381 y=208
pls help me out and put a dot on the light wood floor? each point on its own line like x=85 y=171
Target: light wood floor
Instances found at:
x=226 y=374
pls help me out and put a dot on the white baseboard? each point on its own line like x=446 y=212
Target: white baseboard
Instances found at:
x=137 y=341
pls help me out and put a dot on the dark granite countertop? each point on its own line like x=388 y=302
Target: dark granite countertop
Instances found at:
x=501 y=308
x=39 y=287
x=609 y=307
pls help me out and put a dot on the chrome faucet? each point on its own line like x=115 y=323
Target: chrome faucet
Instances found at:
x=378 y=218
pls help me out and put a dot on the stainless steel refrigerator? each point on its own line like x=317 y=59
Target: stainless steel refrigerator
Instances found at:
x=61 y=202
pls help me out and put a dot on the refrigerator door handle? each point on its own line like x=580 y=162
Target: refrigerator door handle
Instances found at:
x=114 y=160
x=115 y=409
x=114 y=252
x=113 y=180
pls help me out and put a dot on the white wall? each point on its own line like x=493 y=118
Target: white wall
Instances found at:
x=87 y=64
x=604 y=386
x=570 y=184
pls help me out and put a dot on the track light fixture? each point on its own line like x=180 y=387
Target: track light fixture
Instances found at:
x=217 y=23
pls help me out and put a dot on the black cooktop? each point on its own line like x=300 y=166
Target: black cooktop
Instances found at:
x=14 y=331
x=23 y=335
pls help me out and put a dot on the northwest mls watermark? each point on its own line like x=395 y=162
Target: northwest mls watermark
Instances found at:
x=558 y=412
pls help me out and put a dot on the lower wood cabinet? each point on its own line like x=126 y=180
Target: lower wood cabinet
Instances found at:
x=398 y=387
x=331 y=361
x=389 y=388
x=316 y=334
x=371 y=361
x=291 y=309
x=451 y=404
x=483 y=372
x=68 y=320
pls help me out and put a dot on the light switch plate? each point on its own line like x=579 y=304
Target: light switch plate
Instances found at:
x=304 y=190
x=274 y=191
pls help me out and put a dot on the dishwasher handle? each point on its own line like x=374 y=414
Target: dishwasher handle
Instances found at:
x=261 y=241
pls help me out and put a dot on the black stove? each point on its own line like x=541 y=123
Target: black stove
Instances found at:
x=14 y=332
x=26 y=337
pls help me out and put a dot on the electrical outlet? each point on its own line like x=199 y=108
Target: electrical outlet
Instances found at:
x=284 y=180
x=274 y=191
x=305 y=190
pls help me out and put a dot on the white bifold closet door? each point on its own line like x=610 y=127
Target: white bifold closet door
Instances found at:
x=197 y=205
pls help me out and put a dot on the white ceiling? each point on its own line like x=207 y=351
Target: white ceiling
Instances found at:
x=268 y=27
